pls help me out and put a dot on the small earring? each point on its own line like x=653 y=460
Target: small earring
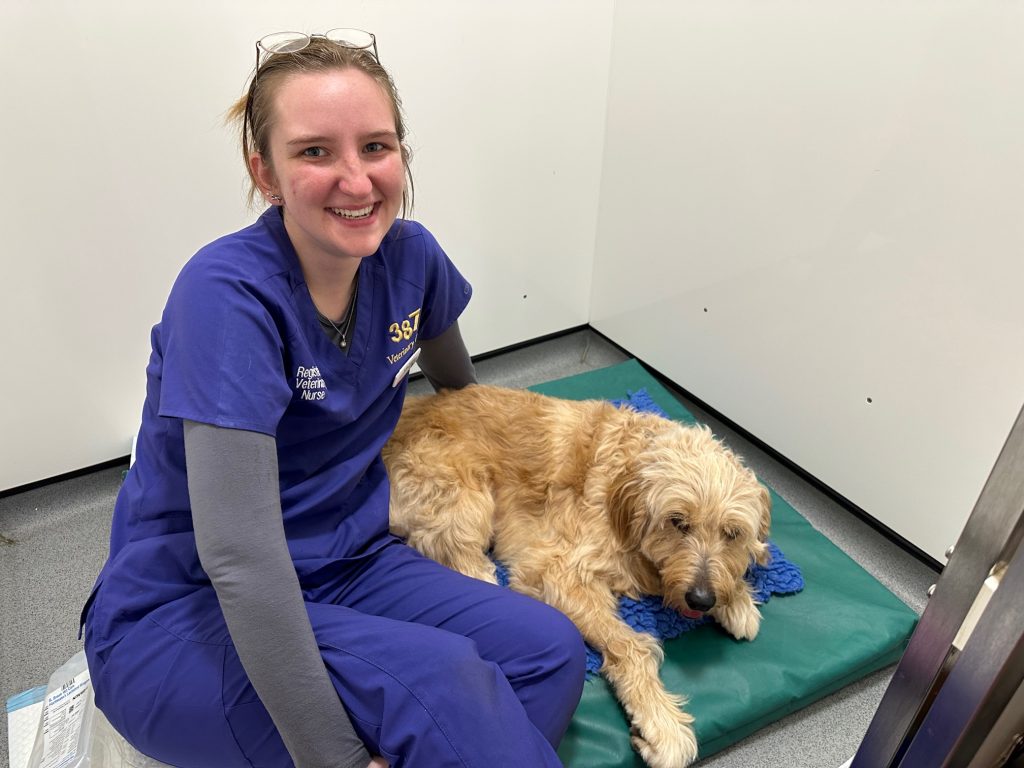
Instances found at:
x=274 y=198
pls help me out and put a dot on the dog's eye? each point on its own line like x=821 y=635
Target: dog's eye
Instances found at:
x=681 y=525
x=731 y=533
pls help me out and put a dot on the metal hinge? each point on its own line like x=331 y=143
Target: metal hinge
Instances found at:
x=981 y=601
x=1013 y=753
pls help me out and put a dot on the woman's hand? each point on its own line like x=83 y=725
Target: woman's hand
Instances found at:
x=378 y=762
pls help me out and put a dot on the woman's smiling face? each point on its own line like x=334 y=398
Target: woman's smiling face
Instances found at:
x=336 y=162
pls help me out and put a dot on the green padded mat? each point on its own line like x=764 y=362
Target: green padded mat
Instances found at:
x=842 y=626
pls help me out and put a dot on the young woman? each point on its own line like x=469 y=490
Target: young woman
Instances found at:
x=254 y=609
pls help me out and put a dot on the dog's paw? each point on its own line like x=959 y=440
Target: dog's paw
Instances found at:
x=473 y=564
x=483 y=572
x=741 y=619
x=674 y=747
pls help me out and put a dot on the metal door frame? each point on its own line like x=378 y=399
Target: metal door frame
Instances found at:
x=941 y=701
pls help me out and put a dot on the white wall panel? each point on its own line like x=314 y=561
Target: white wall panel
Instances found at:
x=794 y=208
x=117 y=168
x=810 y=218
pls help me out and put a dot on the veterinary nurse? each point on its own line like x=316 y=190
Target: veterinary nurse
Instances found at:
x=254 y=609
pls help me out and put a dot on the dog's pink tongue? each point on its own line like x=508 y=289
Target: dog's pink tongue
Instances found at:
x=692 y=614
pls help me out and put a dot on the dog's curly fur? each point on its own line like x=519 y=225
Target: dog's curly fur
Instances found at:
x=585 y=502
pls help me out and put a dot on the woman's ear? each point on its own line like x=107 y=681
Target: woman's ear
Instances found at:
x=264 y=174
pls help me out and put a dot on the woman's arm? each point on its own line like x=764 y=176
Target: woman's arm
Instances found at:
x=445 y=361
x=236 y=511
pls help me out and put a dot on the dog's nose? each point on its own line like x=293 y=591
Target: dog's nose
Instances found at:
x=700 y=599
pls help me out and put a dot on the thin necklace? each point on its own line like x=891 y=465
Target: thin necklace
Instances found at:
x=346 y=322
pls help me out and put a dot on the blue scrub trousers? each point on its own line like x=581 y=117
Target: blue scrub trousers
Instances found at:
x=434 y=668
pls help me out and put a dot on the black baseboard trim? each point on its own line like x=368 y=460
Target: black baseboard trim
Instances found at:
x=531 y=342
x=524 y=344
x=791 y=466
x=672 y=386
x=123 y=460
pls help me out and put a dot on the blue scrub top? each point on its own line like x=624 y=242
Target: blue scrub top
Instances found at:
x=240 y=346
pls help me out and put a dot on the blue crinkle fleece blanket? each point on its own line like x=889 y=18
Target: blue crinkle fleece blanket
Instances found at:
x=648 y=614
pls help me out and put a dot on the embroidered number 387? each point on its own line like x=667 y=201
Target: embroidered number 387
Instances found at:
x=405 y=329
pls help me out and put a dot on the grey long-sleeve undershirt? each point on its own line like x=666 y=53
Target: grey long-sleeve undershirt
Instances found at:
x=236 y=511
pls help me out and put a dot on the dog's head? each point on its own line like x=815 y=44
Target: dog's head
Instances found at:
x=689 y=506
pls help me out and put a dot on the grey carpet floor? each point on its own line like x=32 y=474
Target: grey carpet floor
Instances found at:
x=54 y=541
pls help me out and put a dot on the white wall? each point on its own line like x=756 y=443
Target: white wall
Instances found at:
x=117 y=168
x=807 y=205
x=839 y=185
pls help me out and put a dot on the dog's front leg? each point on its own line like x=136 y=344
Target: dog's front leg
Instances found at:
x=740 y=616
x=661 y=731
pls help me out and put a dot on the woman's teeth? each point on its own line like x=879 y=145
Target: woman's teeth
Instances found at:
x=362 y=213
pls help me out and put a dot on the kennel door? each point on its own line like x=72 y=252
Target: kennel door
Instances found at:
x=964 y=665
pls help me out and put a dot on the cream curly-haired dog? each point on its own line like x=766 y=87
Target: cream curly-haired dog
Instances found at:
x=584 y=502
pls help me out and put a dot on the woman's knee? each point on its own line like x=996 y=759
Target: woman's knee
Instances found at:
x=566 y=635
x=552 y=642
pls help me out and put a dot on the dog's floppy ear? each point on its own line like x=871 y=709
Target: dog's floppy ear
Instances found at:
x=764 y=504
x=622 y=499
x=617 y=459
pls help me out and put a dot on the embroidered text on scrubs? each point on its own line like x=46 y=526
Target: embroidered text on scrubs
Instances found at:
x=399 y=355
x=405 y=330
x=310 y=383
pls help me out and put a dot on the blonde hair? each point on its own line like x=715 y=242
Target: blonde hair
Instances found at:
x=253 y=113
